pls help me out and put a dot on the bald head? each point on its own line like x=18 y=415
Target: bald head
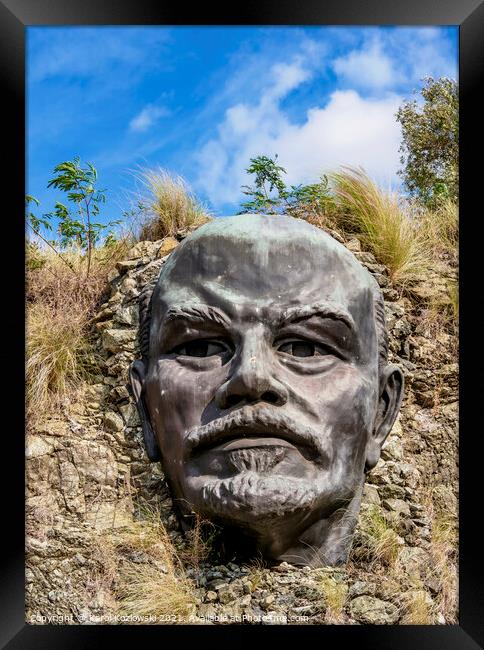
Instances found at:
x=269 y=258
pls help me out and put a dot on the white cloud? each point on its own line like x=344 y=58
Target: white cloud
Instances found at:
x=147 y=117
x=348 y=130
x=393 y=58
x=286 y=77
x=369 y=67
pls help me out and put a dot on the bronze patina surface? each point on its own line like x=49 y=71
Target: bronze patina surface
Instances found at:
x=264 y=387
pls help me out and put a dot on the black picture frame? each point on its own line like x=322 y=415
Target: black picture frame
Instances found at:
x=15 y=16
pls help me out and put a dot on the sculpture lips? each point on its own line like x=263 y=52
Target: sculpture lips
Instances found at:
x=240 y=431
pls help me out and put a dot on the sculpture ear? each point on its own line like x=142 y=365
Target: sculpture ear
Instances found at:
x=389 y=402
x=137 y=373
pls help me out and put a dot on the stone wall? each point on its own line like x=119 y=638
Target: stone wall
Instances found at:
x=87 y=471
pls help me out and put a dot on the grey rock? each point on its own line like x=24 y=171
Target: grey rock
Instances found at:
x=392 y=449
x=390 y=294
x=144 y=249
x=267 y=602
x=370 y=494
x=371 y=610
x=392 y=491
x=113 y=421
x=274 y=618
x=415 y=561
x=397 y=505
x=353 y=245
x=361 y=588
x=365 y=258
x=37 y=446
x=127 y=316
x=116 y=340
x=130 y=414
x=127 y=265
x=226 y=594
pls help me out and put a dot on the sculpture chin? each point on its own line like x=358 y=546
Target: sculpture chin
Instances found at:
x=283 y=515
x=253 y=496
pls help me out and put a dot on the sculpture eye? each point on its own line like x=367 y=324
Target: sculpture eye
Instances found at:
x=200 y=348
x=302 y=348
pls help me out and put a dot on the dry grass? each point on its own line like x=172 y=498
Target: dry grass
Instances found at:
x=59 y=357
x=60 y=302
x=384 y=227
x=441 y=227
x=199 y=542
x=442 y=311
x=257 y=569
x=443 y=551
x=145 y=590
x=418 y=608
x=335 y=594
x=168 y=206
x=149 y=578
x=382 y=541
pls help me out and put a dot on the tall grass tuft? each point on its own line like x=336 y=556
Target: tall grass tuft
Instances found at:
x=60 y=303
x=443 y=549
x=382 y=541
x=418 y=608
x=145 y=590
x=58 y=356
x=150 y=576
x=441 y=228
x=335 y=594
x=383 y=225
x=168 y=206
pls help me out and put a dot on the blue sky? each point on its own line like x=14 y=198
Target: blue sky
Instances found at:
x=201 y=101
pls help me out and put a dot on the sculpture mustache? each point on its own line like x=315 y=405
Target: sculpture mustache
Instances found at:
x=246 y=421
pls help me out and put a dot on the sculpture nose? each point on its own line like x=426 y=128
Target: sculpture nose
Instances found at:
x=252 y=378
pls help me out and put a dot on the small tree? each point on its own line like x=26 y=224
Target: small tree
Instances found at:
x=80 y=186
x=35 y=223
x=292 y=200
x=430 y=142
x=267 y=178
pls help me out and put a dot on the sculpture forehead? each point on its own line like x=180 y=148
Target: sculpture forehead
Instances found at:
x=262 y=258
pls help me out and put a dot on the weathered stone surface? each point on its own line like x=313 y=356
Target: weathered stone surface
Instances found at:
x=37 y=446
x=370 y=494
x=367 y=609
x=113 y=421
x=392 y=449
x=144 y=249
x=365 y=258
x=397 y=505
x=107 y=515
x=116 y=340
x=166 y=247
x=353 y=245
x=127 y=316
x=94 y=462
x=414 y=561
x=127 y=265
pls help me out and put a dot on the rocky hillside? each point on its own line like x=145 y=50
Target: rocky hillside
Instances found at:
x=90 y=541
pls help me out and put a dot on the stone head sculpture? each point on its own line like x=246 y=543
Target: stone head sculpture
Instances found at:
x=264 y=387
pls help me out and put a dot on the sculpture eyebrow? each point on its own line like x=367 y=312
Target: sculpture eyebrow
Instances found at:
x=325 y=310
x=196 y=314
